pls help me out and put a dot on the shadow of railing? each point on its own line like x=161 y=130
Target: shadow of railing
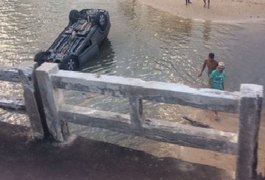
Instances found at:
x=87 y=159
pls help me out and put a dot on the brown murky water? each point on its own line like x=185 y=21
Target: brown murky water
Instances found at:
x=143 y=43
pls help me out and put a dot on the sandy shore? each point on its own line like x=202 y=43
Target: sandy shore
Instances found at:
x=220 y=10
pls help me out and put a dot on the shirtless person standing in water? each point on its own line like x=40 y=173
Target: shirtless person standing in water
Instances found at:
x=211 y=64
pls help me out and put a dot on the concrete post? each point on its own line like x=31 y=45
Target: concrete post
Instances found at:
x=52 y=99
x=250 y=110
x=136 y=112
x=31 y=103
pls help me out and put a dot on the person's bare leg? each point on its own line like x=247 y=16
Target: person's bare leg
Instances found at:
x=204 y=3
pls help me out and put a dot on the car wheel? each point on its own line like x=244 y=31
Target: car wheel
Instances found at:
x=70 y=63
x=73 y=16
x=41 y=57
x=102 y=20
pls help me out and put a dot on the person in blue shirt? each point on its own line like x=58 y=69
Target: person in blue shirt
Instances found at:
x=217 y=81
x=217 y=77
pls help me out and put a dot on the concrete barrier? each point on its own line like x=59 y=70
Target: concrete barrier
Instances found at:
x=45 y=106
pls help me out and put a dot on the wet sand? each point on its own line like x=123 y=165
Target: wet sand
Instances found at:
x=220 y=10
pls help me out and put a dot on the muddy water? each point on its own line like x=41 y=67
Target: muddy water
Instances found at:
x=143 y=43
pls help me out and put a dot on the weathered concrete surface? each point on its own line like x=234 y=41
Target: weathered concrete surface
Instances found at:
x=31 y=104
x=51 y=99
x=154 y=91
x=9 y=74
x=12 y=104
x=87 y=159
x=171 y=132
x=250 y=112
x=136 y=113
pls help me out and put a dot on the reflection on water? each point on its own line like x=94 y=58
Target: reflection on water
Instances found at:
x=207 y=30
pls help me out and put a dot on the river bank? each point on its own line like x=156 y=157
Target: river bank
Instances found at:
x=220 y=10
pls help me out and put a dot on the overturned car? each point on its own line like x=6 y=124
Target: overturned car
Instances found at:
x=80 y=40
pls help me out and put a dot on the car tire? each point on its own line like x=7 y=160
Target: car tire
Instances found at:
x=41 y=57
x=70 y=63
x=74 y=15
x=102 y=20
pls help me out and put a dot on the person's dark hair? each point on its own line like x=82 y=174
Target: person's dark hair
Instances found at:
x=211 y=55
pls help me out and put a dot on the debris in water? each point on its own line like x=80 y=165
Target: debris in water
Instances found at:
x=195 y=123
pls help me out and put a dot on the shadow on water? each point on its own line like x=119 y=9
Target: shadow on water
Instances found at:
x=88 y=159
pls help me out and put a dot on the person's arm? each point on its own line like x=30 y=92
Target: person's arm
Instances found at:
x=223 y=81
x=203 y=67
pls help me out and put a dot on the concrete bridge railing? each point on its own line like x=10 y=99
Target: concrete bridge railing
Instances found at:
x=31 y=104
x=248 y=103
